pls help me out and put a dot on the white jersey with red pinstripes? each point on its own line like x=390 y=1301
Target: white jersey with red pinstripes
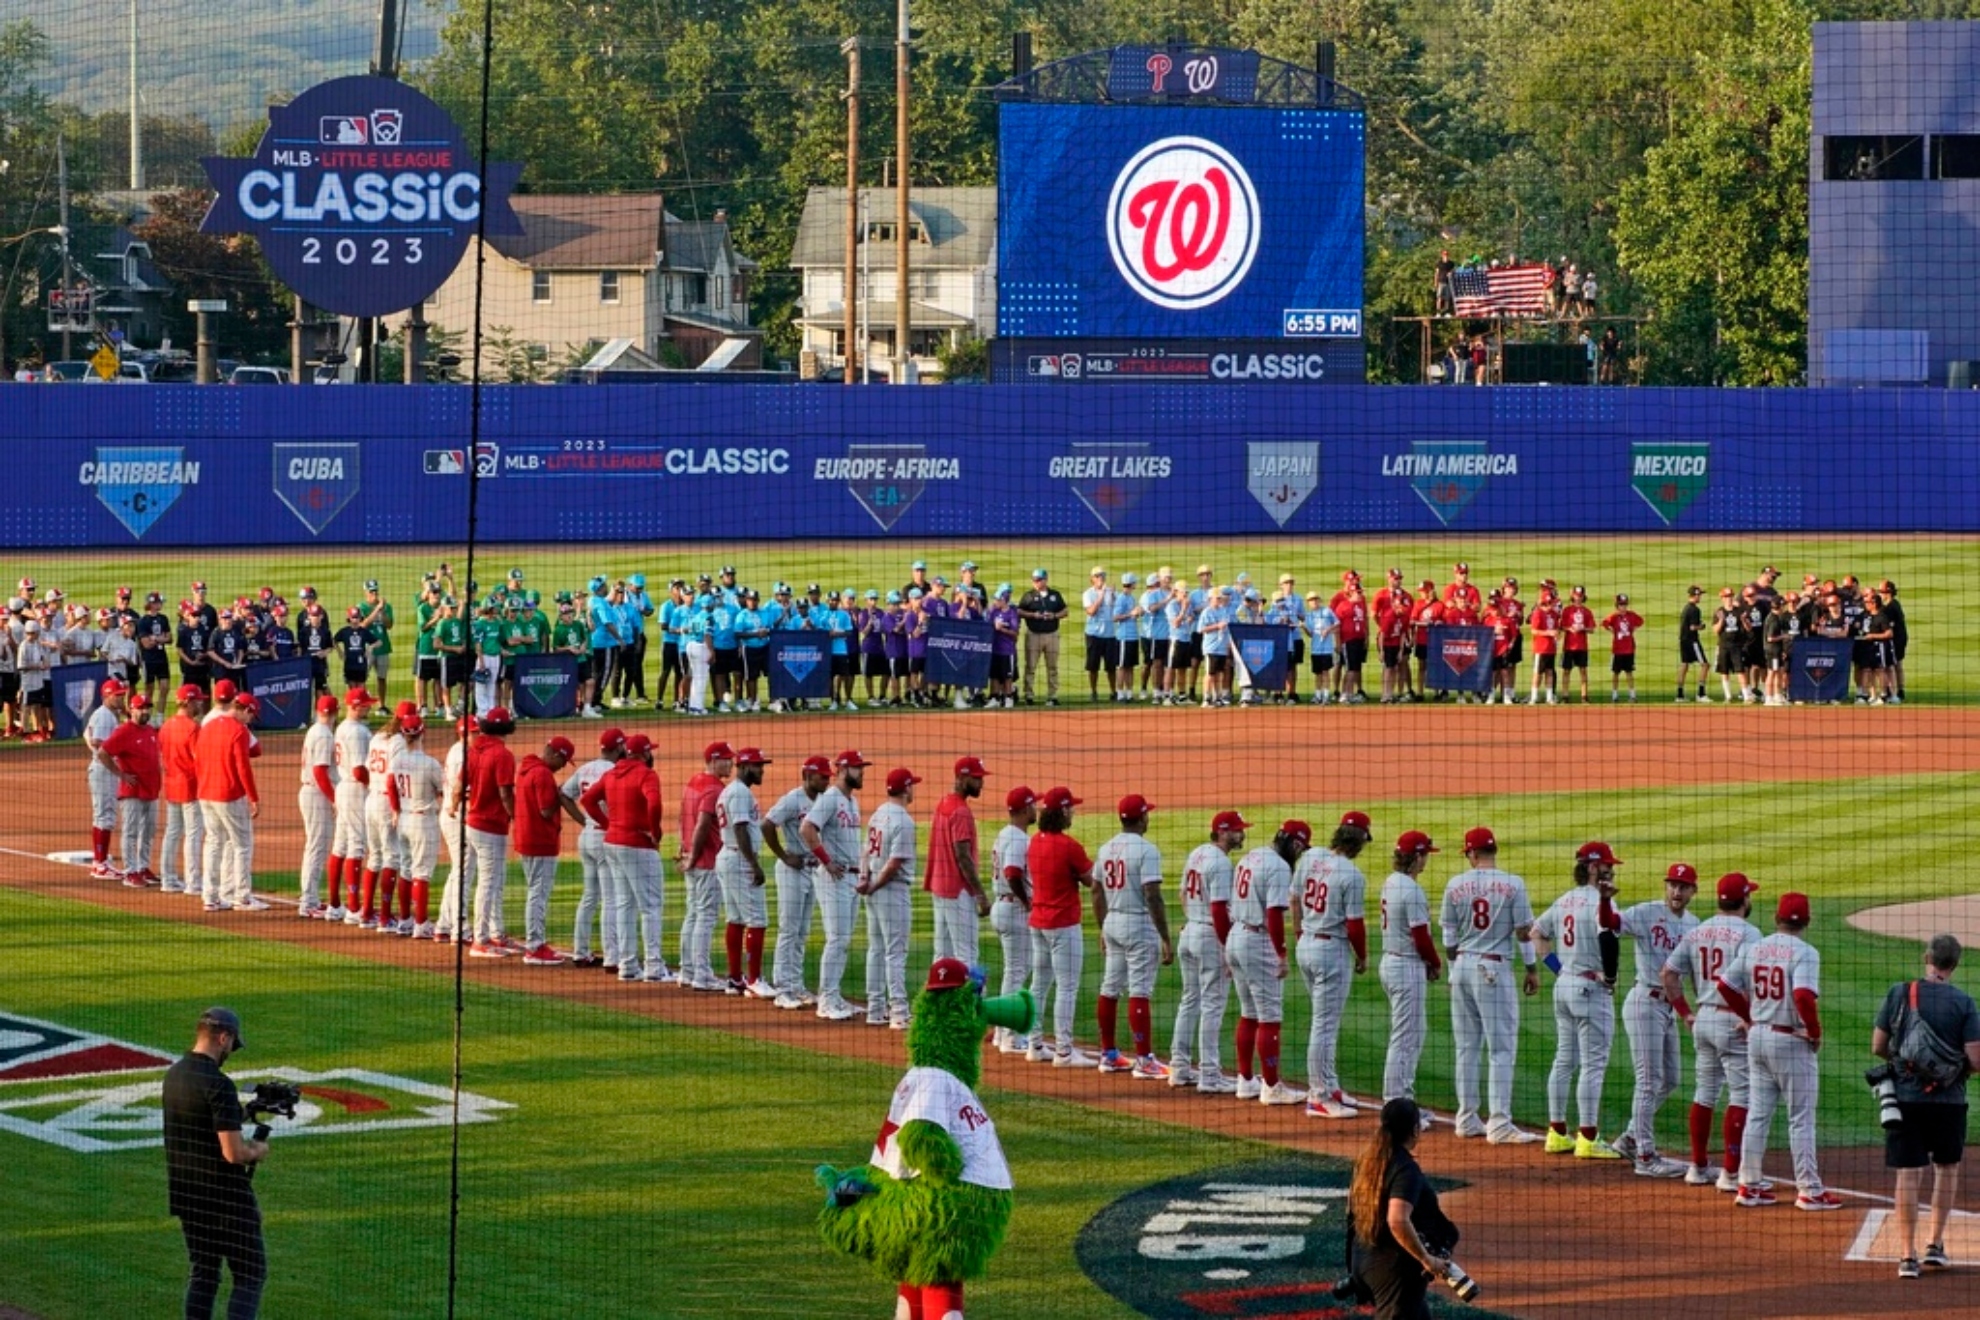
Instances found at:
x=1708 y=951
x=1483 y=907
x=1206 y=881
x=1770 y=971
x=1332 y=891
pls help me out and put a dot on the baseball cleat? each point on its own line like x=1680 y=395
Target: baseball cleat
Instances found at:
x=660 y=974
x=1148 y=1068
x=423 y=931
x=1037 y=1052
x=1112 y=1062
x=1908 y=1268
x=1510 y=1136
x=1278 y=1093
x=1181 y=1075
x=587 y=959
x=1594 y=1148
x=1468 y=1128
x=171 y=887
x=215 y=905
x=1819 y=1201
x=1559 y=1143
x=487 y=949
x=899 y=1022
x=759 y=989
x=310 y=911
x=1328 y=1108
x=1248 y=1088
x=1656 y=1166
x=1753 y=1198
x=1216 y=1084
x=1626 y=1147
x=253 y=904
x=1700 y=1176
x=876 y=1019
x=1936 y=1258
x=1728 y=1181
x=1073 y=1057
x=353 y=918
x=133 y=879
x=837 y=1010
x=1425 y=1120
x=1014 y=1044
x=789 y=1002
x=542 y=956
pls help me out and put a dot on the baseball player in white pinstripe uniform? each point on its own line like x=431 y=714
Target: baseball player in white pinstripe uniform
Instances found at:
x=1261 y=891
x=1409 y=963
x=1135 y=937
x=831 y=833
x=1011 y=887
x=599 y=902
x=103 y=722
x=1584 y=1001
x=1657 y=927
x=1333 y=948
x=795 y=870
x=382 y=853
x=1718 y=1040
x=1486 y=912
x=352 y=745
x=419 y=787
x=1194 y=1058
x=739 y=869
x=886 y=881
x=316 y=802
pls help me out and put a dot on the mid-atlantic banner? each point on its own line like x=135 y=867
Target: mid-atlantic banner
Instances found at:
x=77 y=692
x=282 y=689
x=1818 y=669
x=1460 y=659
x=958 y=653
x=1261 y=652
x=545 y=686
x=800 y=666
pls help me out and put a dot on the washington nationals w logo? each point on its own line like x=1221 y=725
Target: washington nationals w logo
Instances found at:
x=1183 y=223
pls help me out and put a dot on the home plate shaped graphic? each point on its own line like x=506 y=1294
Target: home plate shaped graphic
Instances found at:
x=33 y=1050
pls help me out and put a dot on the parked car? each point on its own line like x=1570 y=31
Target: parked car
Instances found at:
x=259 y=376
x=72 y=372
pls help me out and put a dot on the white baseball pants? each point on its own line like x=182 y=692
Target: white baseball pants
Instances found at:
x=1584 y=1033
x=1783 y=1076
x=419 y=836
x=1653 y=1053
x=1056 y=957
x=139 y=821
x=103 y=784
x=1405 y=980
x=539 y=875
x=229 y=860
x=635 y=897
x=1328 y=965
x=381 y=835
x=794 y=904
x=486 y=867
x=956 y=932
x=743 y=903
x=1484 y=1017
x=347 y=840
x=704 y=902
x=319 y=821
x=1719 y=1042
x=1254 y=971
x=838 y=908
x=1206 y=994
x=184 y=853
x=889 y=910
x=1133 y=953
x=591 y=895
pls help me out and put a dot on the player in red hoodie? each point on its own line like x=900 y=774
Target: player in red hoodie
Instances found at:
x=625 y=801
x=536 y=837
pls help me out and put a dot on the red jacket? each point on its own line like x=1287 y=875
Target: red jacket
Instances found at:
x=225 y=774
x=133 y=747
x=177 y=739
x=491 y=767
x=700 y=796
x=629 y=795
x=539 y=817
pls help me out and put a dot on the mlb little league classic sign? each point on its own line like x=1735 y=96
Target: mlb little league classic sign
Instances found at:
x=363 y=195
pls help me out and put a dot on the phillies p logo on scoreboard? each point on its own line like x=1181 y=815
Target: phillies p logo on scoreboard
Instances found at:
x=1183 y=223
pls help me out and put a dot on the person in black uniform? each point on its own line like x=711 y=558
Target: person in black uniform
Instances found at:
x=1900 y=637
x=155 y=640
x=314 y=639
x=353 y=643
x=1398 y=1236
x=1042 y=609
x=1691 y=642
x=1754 y=609
x=1778 y=642
x=195 y=662
x=208 y=1164
x=226 y=650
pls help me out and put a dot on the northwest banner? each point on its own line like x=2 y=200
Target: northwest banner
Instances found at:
x=800 y=666
x=1818 y=669
x=282 y=689
x=1460 y=659
x=958 y=653
x=77 y=691
x=546 y=686
x=1261 y=652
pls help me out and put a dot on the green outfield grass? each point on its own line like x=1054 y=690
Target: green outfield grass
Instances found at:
x=1932 y=572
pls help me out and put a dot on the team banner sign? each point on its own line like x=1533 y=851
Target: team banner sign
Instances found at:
x=546 y=686
x=282 y=689
x=77 y=692
x=1818 y=670
x=1460 y=659
x=958 y=653
x=1261 y=653
x=800 y=666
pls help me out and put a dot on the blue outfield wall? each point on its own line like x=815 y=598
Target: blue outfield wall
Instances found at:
x=188 y=466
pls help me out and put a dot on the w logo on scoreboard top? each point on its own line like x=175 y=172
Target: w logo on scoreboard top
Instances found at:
x=1199 y=72
x=1183 y=223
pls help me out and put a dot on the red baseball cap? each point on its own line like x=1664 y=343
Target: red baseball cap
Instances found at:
x=1297 y=829
x=1682 y=873
x=1356 y=820
x=1059 y=798
x=718 y=751
x=1133 y=805
x=638 y=743
x=189 y=692
x=1426 y=585
x=850 y=760
x=406 y=710
x=1019 y=798
x=326 y=702
x=1395 y=575
x=817 y=765
x=1228 y=820
x=114 y=687
x=1792 y=907
x=752 y=756
x=1734 y=886
x=1597 y=852
x=1480 y=839
x=559 y=743
x=495 y=717
x=225 y=690
x=140 y=702
x=610 y=738
x=358 y=696
x=1415 y=841
x=414 y=727
x=971 y=766
x=247 y=703
x=948 y=974
x=898 y=780
x=1462 y=567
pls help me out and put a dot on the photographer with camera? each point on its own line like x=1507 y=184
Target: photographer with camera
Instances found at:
x=1398 y=1238
x=1928 y=1030
x=208 y=1165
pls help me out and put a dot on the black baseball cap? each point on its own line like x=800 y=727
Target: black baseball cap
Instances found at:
x=224 y=1019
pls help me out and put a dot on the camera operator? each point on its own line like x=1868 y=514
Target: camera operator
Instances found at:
x=1934 y=1123
x=208 y=1163
x=1398 y=1238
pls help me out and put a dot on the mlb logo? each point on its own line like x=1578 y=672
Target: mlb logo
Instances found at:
x=344 y=131
x=1042 y=365
x=445 y=462
x=385 y=126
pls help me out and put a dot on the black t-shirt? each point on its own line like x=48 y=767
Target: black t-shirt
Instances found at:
x=1780 y=628
x=1048 y=601
x=1690 y=621
x=1386 y=1257
x=315 y=635
x=156 y=627
x=1895 y=613
x=200 y=1103
x=1951 y=1013
x=229 y=647
x=192 y=641
x=355 y=643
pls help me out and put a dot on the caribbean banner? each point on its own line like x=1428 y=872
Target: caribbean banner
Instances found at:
x=958 y=653
x=1460 y=659
x=800 y=666
x=546 y=686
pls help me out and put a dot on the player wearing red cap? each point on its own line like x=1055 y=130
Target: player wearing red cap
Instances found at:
x=795 y=869
x=131 y=752
x=886 y=881
x=418 y=787
x=1134 y=933
x=832 y=835
x=1584 y=1001
x=1059 y=869
x=536 y=836
x=316 y=803
x=1718 y=1040
x=739 y=872
x=1460 y=590
x=184 y=849
x=1623 y=624
x=700 y=841
x=1774 y=986
x=1576 y=624
x=952 y=877
x=1008 y=856
x=1194 y=1057
x=102 y=780
x=229 y=803
x=1485 y=911
x=351 y=748
x=625 y=802
x=600 y=903
x=1545 y=622
x=1261 y=891
x=1409 y=962
x=1657 y=926
x=382 y=852
x=1426 y=612
x=1331 y=890
x=489 y=796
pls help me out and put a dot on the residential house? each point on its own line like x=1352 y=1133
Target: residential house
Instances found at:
x=952 y=274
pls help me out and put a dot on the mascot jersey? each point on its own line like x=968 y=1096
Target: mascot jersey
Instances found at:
x=936 y=1096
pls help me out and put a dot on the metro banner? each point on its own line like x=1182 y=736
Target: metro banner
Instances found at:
x=1818 y=669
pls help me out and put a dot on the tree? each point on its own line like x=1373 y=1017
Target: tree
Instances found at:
x=228 y=266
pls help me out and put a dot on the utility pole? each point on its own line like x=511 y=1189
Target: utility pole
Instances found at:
x=68 y=274
x=903 y=359
x=137 y=132
x=850 y=285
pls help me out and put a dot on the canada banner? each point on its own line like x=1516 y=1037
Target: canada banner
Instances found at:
x=282 y=689
x=958 y=653
x=1261 y=652
x=1460 y=659
x=1819 y=670
x=546 y=686
x=800 y=666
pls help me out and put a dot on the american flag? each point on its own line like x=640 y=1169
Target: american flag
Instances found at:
x=1506 y=291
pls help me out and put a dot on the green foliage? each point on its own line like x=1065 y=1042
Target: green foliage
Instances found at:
x=228 y=266
x=966 y=360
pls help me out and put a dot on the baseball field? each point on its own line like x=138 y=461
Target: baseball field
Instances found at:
x=638 y=1150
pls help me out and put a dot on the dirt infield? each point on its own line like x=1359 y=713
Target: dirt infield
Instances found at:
x=1551 y=1240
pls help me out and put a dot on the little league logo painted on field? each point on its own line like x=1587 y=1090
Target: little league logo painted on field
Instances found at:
x=1669 y=474
x=138 y=483
x=94 y=1120
x=35 y=1051
x=1281 y=474
x=316 y=481
x=1110 y=477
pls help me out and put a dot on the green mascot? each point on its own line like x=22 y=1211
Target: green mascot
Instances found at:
x=931 y=1208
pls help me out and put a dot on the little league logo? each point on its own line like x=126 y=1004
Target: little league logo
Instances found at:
x=317 y=481
x=1257 y=654
x=1281 y=474
x=35 y=1051
x=1669 y=474
x=138 y=483
x=79 y=694
x=1183 y=223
